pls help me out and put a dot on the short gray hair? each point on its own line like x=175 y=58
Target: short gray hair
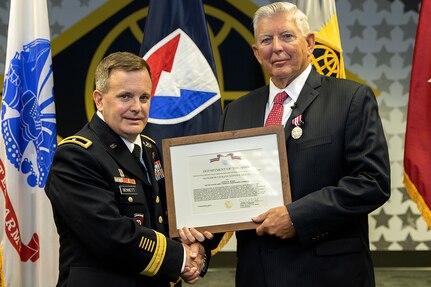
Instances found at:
x=294 y=13
x=123 y=61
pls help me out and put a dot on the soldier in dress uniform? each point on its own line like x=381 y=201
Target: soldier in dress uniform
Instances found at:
x=106 y=187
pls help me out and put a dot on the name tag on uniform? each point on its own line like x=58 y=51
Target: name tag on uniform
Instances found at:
x=128 y=190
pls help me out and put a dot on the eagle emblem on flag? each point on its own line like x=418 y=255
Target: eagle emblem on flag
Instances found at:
x=28 y=113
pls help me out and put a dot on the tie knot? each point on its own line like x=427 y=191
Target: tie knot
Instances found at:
x=137 y=152
x=280 y=98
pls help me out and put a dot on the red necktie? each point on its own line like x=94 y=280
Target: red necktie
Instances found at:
x=276 y=114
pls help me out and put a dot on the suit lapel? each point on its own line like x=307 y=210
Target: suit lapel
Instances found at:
x=306 y=97
x=259 y=105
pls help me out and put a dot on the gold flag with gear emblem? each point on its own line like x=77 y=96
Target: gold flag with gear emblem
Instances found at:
x=328 y=55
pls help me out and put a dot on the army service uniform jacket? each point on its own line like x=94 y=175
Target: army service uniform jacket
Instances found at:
x=112 y=224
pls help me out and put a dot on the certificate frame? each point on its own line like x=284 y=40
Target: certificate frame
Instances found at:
x=264 y=145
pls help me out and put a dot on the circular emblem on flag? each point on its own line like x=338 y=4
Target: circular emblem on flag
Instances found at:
x=28 y=112
x=183 y=82
x=326 y=58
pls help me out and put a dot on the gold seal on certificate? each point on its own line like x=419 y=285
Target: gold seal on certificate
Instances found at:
x=296 y=132
x=228 y=204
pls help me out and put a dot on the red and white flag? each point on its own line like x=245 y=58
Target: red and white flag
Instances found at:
x=417 y=155
x=29 y=241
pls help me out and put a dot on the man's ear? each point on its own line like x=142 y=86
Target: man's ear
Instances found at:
x=256 y=53
x=97 y=98
x=311 y=38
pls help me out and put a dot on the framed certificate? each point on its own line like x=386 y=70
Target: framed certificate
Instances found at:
x=218 y=182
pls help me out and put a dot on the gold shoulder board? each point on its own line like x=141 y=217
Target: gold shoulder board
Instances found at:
x=81 y=141
x=148 y=138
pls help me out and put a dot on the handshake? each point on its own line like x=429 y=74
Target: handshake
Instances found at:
x=195 y=253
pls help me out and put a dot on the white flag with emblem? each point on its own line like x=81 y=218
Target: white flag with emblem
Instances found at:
x=29 y=241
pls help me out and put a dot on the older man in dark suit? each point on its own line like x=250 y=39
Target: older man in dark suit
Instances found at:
x=338 y=164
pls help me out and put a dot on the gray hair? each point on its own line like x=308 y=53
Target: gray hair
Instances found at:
x=124 y=61
x=294 y=13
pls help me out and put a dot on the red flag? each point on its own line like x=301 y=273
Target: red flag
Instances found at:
x=417 y=155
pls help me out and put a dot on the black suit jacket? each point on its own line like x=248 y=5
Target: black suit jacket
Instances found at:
x=339 y=172
x=112 y=224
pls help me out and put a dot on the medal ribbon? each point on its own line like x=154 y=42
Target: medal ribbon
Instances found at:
x=297 y=121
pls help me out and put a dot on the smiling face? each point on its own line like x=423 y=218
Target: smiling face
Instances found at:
x=281 y=48
x=125 y=105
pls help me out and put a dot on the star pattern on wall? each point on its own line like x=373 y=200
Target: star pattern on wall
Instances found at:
x=383 y=30
x=378 y=46
x=408 y=243
x=427 y=243
x=405 y=196
x=383 y=83
x=357 y=57
x=383 y=5
x=383 y=57
x=384 y=111
x=56 y=28
x=405 y=84
x=4 y=5
x=382 y=243
x=409 y=28
x=409 y=219
x=382 y=218
x=356 y=29
x=356 y=5
x=410 y=5
x=3 y=28
x=407 y=56
x=56 y=3
x=84 y=3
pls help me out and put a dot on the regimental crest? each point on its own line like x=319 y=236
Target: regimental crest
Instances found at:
x=28 y=112
x=327 y=59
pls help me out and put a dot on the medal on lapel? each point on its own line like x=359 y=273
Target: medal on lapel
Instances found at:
x=297 y=130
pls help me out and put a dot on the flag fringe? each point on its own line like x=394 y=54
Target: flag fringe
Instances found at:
x=2 y=283
x=225 y=239
x=418 y=199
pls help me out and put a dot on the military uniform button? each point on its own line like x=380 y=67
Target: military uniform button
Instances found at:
x=157 y=199
x=130 y=199
x=160 y=219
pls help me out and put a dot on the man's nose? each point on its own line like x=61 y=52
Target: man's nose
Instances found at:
x=136 y=105
x=276 y=44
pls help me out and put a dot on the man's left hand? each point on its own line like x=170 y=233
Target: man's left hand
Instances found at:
x=275 y=221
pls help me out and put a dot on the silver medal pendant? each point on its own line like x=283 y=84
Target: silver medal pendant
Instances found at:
x=296 y=132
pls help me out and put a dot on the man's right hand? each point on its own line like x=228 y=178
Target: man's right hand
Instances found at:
x=195 y=261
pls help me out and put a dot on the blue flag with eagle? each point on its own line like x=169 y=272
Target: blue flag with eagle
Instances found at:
x=185 y=93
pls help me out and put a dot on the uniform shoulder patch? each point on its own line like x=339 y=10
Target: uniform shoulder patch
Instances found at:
x=81 y=141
